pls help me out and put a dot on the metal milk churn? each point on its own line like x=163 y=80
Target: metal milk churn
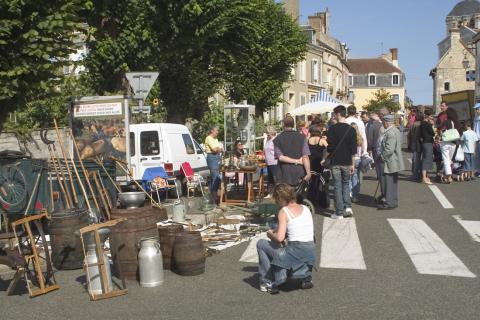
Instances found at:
x=150 y=262
x=92 y=259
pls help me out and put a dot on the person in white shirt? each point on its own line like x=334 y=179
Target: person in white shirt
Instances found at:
x=298 y=256
x=468 y=141
x=352 y=117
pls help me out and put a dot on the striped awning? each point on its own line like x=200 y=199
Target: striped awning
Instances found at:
x=324 y=97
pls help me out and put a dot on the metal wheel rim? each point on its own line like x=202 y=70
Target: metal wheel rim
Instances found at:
x=14 y=184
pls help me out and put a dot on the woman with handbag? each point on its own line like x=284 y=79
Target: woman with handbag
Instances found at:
x=450 y=136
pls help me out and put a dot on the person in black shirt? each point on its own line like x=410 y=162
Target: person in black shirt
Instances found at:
x=341 y=149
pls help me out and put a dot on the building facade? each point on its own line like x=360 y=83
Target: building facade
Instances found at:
x=455 y=70
x=367 y=76
x=324 y=67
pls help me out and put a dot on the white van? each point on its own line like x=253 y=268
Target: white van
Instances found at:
x=154 y=144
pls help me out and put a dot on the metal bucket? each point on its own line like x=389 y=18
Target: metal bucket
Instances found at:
x=179 y=212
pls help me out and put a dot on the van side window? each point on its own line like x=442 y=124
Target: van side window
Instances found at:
x=132 y=144
x=188 y=143
x=149 y=143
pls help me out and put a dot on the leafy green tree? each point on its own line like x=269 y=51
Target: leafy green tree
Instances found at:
x=36 y=39
x=198 y=46
x=261 y=72
x=214 y=116
x=382 y=99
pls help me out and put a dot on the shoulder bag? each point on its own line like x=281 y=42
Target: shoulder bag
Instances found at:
x=450 y=135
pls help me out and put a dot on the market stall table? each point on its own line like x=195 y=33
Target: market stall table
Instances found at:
x=250 y=193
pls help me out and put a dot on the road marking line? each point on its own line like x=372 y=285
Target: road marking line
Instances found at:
x=472 y=227
x=250 y=254
x=409 y=160
x=428 y=252
x=340 y=245
x=441 y=197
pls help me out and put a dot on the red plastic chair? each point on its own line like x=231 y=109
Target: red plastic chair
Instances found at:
x=194 y=180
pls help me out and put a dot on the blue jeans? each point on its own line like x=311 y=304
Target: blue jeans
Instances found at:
x=341 y=184
x=268 y=272
x=213 y=163
x=355 y=180
x=416 y=165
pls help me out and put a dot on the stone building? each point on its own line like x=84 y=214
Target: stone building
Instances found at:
x=370 y=75
x=324 y=66
x=455 y=70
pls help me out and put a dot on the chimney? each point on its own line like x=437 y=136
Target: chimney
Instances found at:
x=292 y=7
x=316 y=22
x=394 y=55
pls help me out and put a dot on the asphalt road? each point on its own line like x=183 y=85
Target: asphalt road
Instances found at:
x=391 y=287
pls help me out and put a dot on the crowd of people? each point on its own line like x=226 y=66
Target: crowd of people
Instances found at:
x=445 y=141
x=339 y=151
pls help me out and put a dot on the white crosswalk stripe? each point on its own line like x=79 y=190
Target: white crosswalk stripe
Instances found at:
x=472 y=227
x=441 y=197
x=341 y=246
x=428 y=252
x=250 y=254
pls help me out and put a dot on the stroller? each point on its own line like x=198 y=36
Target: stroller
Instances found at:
x=314 y=193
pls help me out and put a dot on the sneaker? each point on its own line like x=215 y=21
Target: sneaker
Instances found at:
x=273 y=290
x=334 y=216
x=348 y=213
x=269 y=196
x=306 y=283
x=264 y=286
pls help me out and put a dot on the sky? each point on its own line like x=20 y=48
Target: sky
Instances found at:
x=415 y=27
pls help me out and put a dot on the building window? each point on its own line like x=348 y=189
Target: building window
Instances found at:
x=350 y=80
x=470 y=75
x=315 y=71
x=372 y=80
x=446 y=86
x=303 y=71
x=329 y=76
x=313 y=97
x=395 y=98
x=395 y=79
x=303 y=99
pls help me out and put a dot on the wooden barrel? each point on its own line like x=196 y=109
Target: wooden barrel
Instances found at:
x=188 y=254
x=67 y=251
x=140 y=223
x=167 y=235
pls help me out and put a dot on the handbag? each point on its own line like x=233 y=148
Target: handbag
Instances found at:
x=459 y=155
x=451 y=135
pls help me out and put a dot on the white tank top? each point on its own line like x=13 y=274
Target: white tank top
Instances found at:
x=299 y=228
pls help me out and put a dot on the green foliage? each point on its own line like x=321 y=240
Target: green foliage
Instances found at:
x=48 y=105
x=36 y=38
x=214 y=116
x=265 y=65
x=198 y=46
x=382 y=99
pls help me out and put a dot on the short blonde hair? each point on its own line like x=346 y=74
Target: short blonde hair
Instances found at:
x=283 y=194
x=271 y=130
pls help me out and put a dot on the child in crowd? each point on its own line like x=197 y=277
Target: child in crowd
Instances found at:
x=468 y=142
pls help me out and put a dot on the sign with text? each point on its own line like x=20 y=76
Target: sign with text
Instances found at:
x=98 y=109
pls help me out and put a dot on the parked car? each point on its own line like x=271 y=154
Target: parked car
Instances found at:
x=157 y=144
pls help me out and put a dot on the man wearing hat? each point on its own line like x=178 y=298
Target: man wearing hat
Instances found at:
x=476 y=128
x=391 y=162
